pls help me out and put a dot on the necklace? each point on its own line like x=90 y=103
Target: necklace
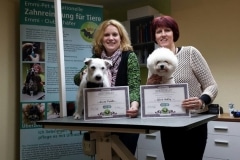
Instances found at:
x=176 y=50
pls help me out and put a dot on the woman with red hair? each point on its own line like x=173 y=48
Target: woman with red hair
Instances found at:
x=192 y=69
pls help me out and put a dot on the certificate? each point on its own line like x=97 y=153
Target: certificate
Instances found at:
x=102 y=103
x=163 y=100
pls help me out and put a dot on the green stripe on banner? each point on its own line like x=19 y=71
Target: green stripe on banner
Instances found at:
x=73 y=16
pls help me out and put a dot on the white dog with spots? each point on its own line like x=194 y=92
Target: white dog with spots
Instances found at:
x=96 y=75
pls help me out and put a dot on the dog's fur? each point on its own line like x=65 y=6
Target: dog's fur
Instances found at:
x=161 y=62
x=96 y=75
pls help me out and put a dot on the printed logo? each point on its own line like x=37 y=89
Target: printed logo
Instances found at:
x=87 y=31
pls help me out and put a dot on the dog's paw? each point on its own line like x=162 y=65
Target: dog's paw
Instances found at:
x=77 y=116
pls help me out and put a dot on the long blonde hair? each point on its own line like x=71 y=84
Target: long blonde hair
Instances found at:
x=125 y=43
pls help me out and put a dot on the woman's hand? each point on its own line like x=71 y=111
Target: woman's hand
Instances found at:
x=192 y=103
x=133 y=111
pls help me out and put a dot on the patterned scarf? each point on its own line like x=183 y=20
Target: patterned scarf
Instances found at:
x=116 y=59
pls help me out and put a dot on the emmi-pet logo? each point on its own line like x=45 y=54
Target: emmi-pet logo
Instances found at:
x=87 y=31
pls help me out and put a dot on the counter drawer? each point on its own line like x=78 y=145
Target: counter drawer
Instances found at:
x=224 y=128
x=146 y=154
x=149 y=141
x=222 y=147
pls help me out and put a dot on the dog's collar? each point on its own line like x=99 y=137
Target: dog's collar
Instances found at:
x=94 y=85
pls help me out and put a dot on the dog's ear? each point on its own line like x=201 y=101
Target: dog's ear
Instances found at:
x=87 y=61
x=108 y=63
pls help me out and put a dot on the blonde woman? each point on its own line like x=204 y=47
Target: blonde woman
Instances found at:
x=111 y=42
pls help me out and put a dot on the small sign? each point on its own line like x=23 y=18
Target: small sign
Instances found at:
x=102 y=103
x=163 y=100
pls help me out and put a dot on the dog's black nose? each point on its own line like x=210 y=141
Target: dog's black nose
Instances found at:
x=161 y=66
x=98 y=78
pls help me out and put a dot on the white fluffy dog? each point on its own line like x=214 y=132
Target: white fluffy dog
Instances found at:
x=96 y=75
x=163 y=63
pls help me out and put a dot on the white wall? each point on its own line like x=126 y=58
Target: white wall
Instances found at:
x=213 y=27
x=9 y=97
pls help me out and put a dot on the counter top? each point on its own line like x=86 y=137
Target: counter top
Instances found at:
x=226 y=117
x=134 y=124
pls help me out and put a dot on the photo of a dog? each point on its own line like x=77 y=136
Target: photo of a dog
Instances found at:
x=33 y=112
x=53 y=110
x=161 y=62
x=33 y=51
x=33 y=83
x=96 y=76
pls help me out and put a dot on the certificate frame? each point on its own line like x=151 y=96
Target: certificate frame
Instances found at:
x=163 y=100
x=106 y=102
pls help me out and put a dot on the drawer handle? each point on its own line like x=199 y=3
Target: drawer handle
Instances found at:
x=221 y=128
x=151 y=156
x=150 y=135
x=221 y=142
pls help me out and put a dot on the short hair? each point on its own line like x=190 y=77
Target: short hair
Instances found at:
x=125 y=43
x=165 y=21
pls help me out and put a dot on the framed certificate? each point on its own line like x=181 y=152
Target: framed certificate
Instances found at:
x=102 y=103
x=163 y=100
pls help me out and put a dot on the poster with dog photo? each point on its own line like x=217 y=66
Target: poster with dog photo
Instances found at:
x=39 y=77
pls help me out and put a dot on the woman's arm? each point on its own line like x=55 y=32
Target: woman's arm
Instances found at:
x=134 y=79
x=204 y=76
x=78 y=77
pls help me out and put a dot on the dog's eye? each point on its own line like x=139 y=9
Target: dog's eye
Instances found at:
x=93 y=67
x=103 y=68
